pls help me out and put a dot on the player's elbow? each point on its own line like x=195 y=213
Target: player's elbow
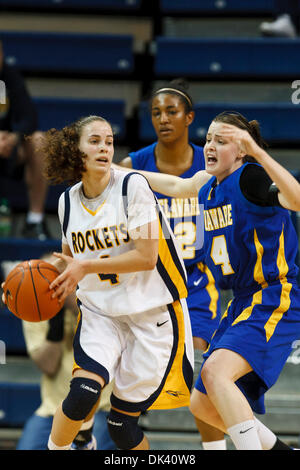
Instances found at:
x=183 y=188
x=177 y=188
x=292 y=202
x=295 y=206
x=297 y=202
x=151 y=261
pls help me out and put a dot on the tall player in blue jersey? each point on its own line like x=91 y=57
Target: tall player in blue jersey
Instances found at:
x=251 y=247
x=172 y=113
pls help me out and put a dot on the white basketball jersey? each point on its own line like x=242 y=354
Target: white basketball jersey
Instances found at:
x=101 y=228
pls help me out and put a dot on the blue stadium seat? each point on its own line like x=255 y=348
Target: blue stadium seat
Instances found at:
x=69 y=53
x=74 y=4
x=228 y=58
x=280 y=122
x=14 y=249
x=216 y=6
x=17 y=402
x=16 y=192
x=59 y=112
x=11 y=333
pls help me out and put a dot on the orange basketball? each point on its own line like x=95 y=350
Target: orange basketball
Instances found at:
x=27 y=292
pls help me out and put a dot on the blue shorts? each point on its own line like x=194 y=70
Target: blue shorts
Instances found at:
x=261 y=328
x=203 y=302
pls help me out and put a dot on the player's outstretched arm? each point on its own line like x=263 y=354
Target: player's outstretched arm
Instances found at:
x=171 y=185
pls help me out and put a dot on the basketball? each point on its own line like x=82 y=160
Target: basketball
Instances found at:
x=27 y=293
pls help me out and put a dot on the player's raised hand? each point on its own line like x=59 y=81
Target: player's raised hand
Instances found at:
x=246 y=143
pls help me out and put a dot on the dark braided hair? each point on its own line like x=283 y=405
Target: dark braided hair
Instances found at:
x=177 y=87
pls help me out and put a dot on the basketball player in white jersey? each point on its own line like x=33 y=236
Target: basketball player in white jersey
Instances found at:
x=119 y=253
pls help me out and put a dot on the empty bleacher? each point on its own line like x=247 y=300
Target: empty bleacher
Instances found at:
x=69 y=53
x=279 y=121
x=119 y=5
x=227 y=58
x=102 y=57
x=59 y=112
x=19 y=392
x=215 y=7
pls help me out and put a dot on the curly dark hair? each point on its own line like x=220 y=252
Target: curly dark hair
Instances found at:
x=64 y=162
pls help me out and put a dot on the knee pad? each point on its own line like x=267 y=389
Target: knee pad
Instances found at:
x=83 y=395
x=124 y=430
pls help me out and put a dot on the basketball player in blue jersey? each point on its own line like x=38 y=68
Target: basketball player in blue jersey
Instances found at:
x=119 y=254
x=172 y=114
x=251 y=246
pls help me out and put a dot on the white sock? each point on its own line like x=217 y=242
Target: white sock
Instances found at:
x=214 y=445
x=245 y=436
x=266 y=436
x=52 y=446
x=34 y=217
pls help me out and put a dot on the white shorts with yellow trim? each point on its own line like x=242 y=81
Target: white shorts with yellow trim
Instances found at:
x=149 y=355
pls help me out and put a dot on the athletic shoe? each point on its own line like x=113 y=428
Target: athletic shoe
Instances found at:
x=91 y=445
x=37 y=231
x=282 y=27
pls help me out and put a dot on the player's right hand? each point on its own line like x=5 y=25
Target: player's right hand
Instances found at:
x=67 y=281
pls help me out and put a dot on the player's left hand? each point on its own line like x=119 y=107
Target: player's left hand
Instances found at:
x=67 y=281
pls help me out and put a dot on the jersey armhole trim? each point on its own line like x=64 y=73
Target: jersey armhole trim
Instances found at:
x=67 y=211
x=125 y=190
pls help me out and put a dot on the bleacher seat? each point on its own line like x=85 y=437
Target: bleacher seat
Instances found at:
x=215 y=6
x=14 y=249
x=16 y=192
x=227 y=58
x=74 y=4
x=11 y=332
x=59 y=112
x=19 y=391
x=280 y=122
x=69 y=53
x=17 y=402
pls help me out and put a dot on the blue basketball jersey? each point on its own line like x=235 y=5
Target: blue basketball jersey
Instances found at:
x=184 y=214
x=252 y=250
x=186 y=220
x=247 y=246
